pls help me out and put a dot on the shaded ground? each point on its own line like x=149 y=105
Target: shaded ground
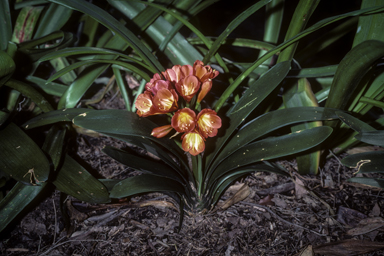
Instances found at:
x=279 y=217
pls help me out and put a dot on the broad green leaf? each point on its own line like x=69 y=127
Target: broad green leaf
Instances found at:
x=51 y=88
x=299 y=20
x=19 y=197
x=74 y=180
x=111 y=23
x=121 y=124
x=301 y=94
x=288 y=42
x=33 y=47
x=350 y=71
x=250 y=100
x=142 y=164
x=21 y=157
x=271 y=148
x=354 y=123
x=92 y=51
x=232 y=26
x=62 y=115
x=143 y=184
x=372 y=137
x=95 y=61
x=326 y=40
x=5 y=25
x=54 y=144
x=7 y=67
x=369 y=26
x=178 y=51
x=31 y=93
x=87 y=77
x=312 y=72
x=368 y=181
x=25 y=23
x=272 y=121
x=53 y=19
x=366 y=162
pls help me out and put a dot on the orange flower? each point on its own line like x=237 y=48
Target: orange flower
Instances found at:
x=204 y=73
x=165 y=100
x=152 y=82
x=184 y=120
x=205 y=88
x=144 y=104
x=160 y=84
x=193 y=143
x=178 y=73
x=161 y=131
x=208 y=122
x=188 y=87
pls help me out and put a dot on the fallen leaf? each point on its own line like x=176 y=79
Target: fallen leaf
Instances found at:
x=300 y=191
x=366 y=225
x=348 y=247
x=376 y=210
x=267 y=200
x=240 y=195
x=308 y=251
x=349 y=217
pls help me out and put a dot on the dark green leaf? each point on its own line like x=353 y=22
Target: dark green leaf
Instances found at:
x=250 y=100
x=145 y=183
x=369 y=181
x=76 y=181
x=372 y=137
x=54 y=144
x=272 y=148
x=142 y=164
x=354 y=123
x=7 y=67
x=111 y=23
x=16 y=200
x=313 y=72
x=366 y=162
x=62 y=115
x=5 y=25
x=21 y=157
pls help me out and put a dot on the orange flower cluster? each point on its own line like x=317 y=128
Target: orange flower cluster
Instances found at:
x=161 y=96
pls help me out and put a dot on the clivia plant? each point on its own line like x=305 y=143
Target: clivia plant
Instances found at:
x=208 y=120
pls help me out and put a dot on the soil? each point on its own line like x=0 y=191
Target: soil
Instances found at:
x=298 y=215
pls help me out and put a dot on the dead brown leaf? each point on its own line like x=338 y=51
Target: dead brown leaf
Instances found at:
x=348 y=247
x=366 y=225
x=240 y=195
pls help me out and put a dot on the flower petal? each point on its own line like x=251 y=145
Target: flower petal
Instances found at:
x=161 y=131
x=184 y=120
x=193 y=143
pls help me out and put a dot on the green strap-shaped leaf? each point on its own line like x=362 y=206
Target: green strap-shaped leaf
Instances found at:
x=7 y=67
x=250 y=100
x=372 y=137
x=354 y=123
x=5 y=25
x=111 y=23
x=288 y=42
x=350 y=71
x=143 y=164
x=21 y=157
x=366 y=162
x=76 y=181
x=232 y=26
x=54 y=144
x=313 y=72
x=145 y=183
x=53 y=19
x=178 y=51
x=121 y=124
x=272 y=148
x=25 y=23
x=31 y=93
x=369 y=26
x=89 y=62
x=272 y=121
x=62 y=115
x=92 y=51
x=51 y=88
x=368 y=181
x=16 y=200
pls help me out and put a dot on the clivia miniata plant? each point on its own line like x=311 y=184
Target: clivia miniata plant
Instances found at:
x=206 y=119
